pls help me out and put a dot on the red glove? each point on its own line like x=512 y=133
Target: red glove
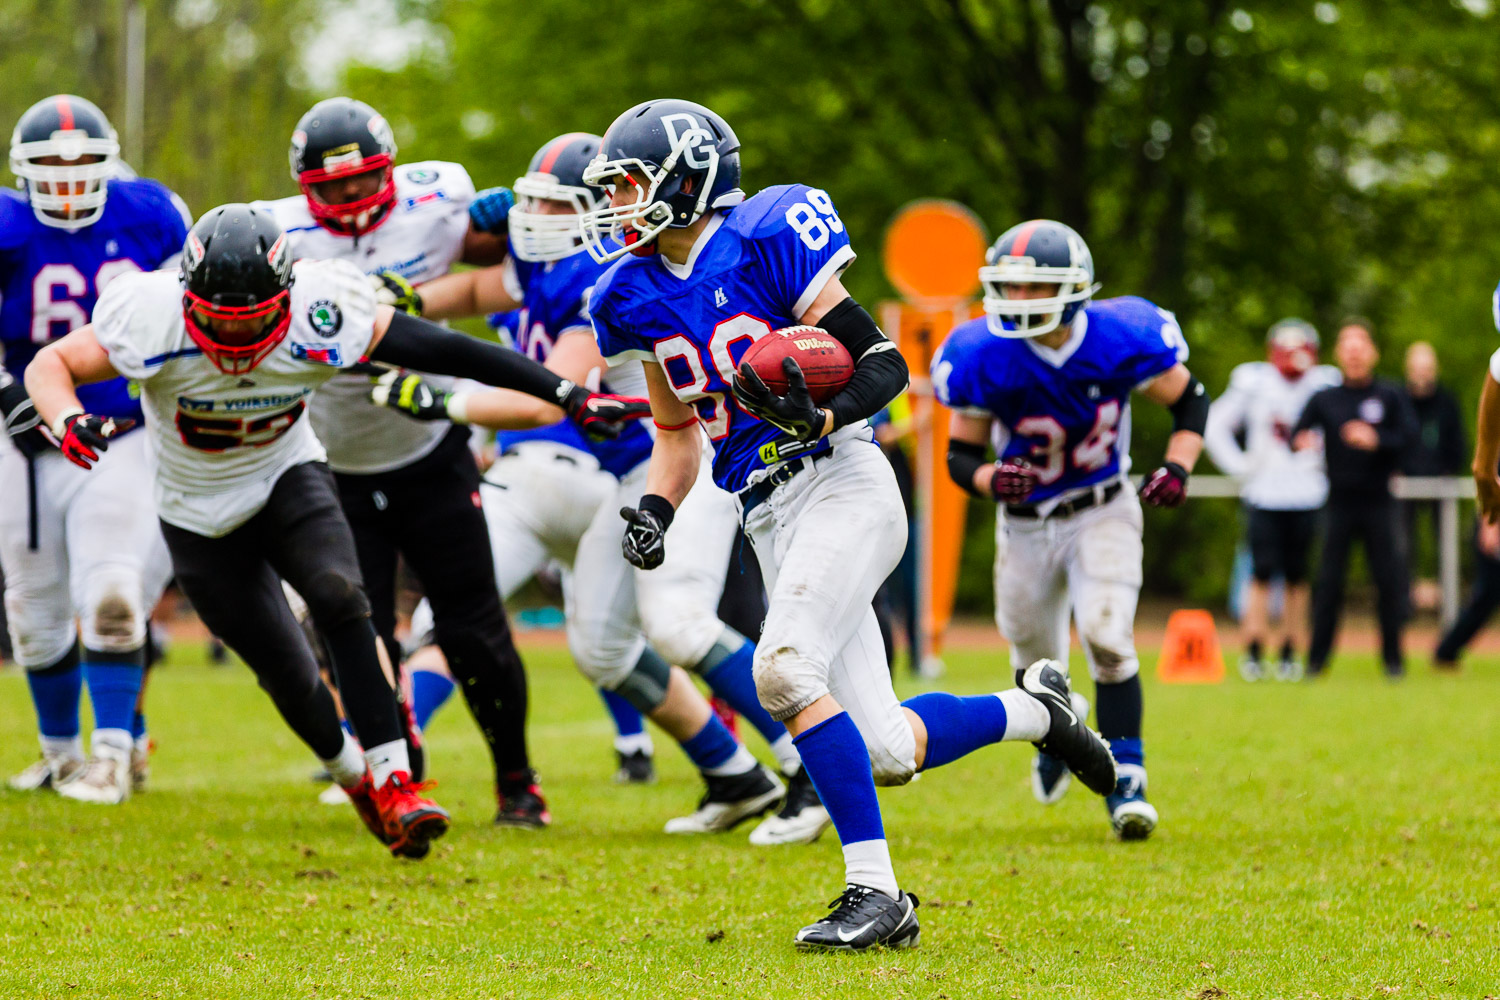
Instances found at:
x=1166 y=487
x=86 y=435
x=600 y=415
x=1013 y=481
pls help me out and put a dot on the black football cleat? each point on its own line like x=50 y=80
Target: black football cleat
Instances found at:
x=864 y=918
x=1069 y=739
x=521 y=802
x=636 y=768
x=730 y=800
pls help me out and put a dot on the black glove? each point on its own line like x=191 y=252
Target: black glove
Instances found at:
x=393 y=290
x=409 y=395
x=600 y=415
x=794 y=413
x=645 y=542
x=86 y=435
x=21 y=420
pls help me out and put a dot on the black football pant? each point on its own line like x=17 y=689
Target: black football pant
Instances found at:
x=234 y=583
x=1375 y=521
x=1483 y=602
x=428 y=513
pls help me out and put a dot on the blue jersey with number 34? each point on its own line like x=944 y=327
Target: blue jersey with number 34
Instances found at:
x=755 y=269
x=1066 y=411
x=50 y=278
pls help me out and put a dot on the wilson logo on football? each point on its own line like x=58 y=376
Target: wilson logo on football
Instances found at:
x=813 y=344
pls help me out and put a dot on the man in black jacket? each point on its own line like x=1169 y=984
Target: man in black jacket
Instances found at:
x=1366 y=426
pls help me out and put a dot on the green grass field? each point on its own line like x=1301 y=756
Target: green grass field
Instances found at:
x=1330 y=840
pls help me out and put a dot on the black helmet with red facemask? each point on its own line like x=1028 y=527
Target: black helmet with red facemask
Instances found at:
x=339 y=139
x=237 y=286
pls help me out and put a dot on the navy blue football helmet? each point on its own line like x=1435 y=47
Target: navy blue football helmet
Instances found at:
x=1036 y=252
x=554 y=175
x=686 y=162
x=69 y=195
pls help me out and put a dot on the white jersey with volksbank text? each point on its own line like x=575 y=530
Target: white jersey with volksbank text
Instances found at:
x=222 y=440
x=420 y=239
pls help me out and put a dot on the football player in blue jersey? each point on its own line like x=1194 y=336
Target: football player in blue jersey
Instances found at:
x=702 y=273
x=632 y=633
x=72 y=544
x=1046 y=377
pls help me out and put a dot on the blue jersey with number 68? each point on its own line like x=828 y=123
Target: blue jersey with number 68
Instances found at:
x=50 y=278
x=1066 y=411
x=756 y=268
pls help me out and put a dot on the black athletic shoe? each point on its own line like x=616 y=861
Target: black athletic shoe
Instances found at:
x=730 y=800
x=1069 y=739
x=864 y=918
x=521 y=802
x=636 y=768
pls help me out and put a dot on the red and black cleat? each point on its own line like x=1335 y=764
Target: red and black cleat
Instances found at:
x=362 y=796
x=521 y=802
x=411 y=821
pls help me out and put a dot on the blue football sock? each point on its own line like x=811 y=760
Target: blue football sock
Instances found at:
x=429 y=690
x=56 y=692
x=114 y=689
x=731 y=679
x=836 y=760
x=713 y=746
x=1127 y=750
x=956 y=727
x=138 y=725
x=628 y=719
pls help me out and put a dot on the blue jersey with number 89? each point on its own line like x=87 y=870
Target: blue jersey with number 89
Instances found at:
x=756 y=268
x=1066 y=411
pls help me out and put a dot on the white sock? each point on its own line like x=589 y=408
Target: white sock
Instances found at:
x=869 y=863
x=387 y=759
x=348 y=767
x=639 y=741
x=62 y=746
x=787 y=755
x=143 y=743
x=118 y=740
x=738 y=764
x=1025 y=717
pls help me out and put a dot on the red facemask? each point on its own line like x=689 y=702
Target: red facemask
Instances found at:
x=1293 y=362
x=352 y=218
x=237 y=359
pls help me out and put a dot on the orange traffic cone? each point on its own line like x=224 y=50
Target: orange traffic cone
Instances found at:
x=1190 y=653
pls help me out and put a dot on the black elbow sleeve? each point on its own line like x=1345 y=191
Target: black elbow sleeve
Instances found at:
x=1190 y=412
x=423 y=346
x=880 y=373
x=964 y=459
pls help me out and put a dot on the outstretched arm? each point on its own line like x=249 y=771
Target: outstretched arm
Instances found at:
x=672 y=472
x=1188 y=401
x=1486 y=449
x=52 y=379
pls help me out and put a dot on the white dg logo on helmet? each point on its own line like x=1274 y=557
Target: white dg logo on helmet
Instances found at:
x=694 y=138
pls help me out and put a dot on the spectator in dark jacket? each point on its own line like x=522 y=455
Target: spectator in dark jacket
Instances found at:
x=1439 y=449
x=1365 y=426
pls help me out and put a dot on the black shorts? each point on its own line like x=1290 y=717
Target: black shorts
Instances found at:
x=1279 y=543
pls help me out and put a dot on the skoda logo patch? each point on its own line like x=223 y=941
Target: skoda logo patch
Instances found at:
x=325 y=317
x=420 y=175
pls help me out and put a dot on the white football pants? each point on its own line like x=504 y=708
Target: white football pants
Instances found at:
x=827 y=539
x=1087 y=566
x=100 y=557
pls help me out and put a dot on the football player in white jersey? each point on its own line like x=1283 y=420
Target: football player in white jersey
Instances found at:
x=631 y=631
x=1282 y=490
x=410 y=490
x=228 y=354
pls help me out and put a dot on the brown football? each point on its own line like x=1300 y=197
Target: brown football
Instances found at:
x=825 y=362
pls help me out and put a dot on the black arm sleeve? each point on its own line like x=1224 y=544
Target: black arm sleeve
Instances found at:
x=964 y=459
x=880 y=373
x=424 y=346
x=1311 y=414
x=1190 y=412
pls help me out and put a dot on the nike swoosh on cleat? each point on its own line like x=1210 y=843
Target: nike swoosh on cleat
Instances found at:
x=850 y=937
